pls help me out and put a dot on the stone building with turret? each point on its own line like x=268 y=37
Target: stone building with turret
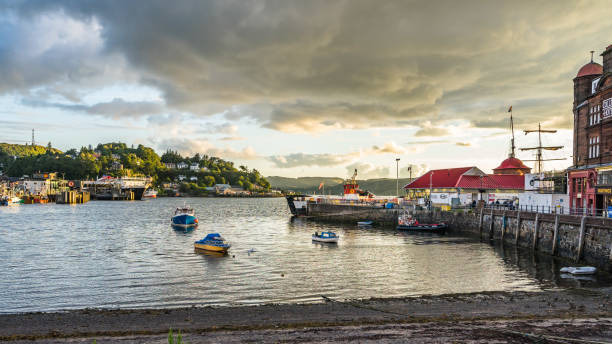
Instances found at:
x=590 y=177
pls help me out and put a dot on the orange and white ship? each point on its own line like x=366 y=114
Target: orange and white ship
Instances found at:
x=150 y=193
x=352 y=190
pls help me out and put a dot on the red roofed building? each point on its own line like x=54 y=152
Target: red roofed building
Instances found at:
x=512 y=166
x=463 y=184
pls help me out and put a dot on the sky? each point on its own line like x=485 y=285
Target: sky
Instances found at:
x=299 y=88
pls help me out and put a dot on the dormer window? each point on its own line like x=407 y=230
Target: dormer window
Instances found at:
x=594 y=85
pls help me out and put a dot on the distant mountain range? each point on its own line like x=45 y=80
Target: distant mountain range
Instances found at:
x=333 y=186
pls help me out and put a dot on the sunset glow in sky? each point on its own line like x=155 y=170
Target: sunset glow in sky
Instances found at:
x=299 y=88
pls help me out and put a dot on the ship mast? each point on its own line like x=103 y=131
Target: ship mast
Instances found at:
x=512 y=147
x=539 y=148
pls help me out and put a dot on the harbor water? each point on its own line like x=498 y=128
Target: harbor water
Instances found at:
x=124 y=254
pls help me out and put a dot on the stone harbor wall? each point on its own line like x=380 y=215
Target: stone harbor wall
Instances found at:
x=580 y=238
x=583 y=239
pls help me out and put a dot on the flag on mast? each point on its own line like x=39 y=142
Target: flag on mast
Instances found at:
x=320 y=185
x=510 y=108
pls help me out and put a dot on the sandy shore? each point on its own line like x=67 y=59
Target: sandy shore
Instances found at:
x=474 y=318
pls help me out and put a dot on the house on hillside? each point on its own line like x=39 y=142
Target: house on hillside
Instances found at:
x=194 y=167
x=181 y=166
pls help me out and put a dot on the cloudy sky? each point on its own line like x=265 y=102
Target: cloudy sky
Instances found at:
x=298 y=88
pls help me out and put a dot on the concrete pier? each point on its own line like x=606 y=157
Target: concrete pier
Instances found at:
x=72 y=197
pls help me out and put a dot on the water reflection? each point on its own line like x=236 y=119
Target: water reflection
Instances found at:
x=546 y=269
x=125 y=254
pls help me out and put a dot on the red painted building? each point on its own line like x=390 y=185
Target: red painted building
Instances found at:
x=590 y=178
x=512 y=165
x=466 y=184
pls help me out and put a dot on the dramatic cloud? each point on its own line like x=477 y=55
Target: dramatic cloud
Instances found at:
x=427 y=142
x=310 y=66
x=367 y=171
x=191 y=147
x=302 y=159
x=117 y=108
x=413 y=170
x=428 y=130
x=389 y=147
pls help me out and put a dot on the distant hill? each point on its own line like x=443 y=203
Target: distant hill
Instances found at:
x=333 y=186
x=19 y=151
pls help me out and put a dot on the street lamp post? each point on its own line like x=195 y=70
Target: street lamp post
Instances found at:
x=430 y=188
x=397 y=176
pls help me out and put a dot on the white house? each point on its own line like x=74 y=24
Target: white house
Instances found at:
x=37 y=187
x=181 y=177
x=182 y=165
x=222 y=187
x=170 y=165
x=193 y=178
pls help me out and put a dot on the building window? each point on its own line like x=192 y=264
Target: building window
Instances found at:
x=594 y=147
x=594 y=115
x=604 y=178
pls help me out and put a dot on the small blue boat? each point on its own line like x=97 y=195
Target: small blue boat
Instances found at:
x=213 y=242
x=330 y=237
x=184 y=219
x=365 y=223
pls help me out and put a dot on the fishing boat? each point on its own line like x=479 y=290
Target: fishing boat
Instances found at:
x=213 y=242
x=184 y=218
x=406 y=222
x=10 y=200
x=329 y=237
x=150 y=193
x=36 y=199
x=365 y=223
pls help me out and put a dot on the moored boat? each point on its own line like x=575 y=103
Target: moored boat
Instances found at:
x=213 y=242
x=7 y=200
x=406 y=222
x=581 y=270
x=365 y=223
x=150 y=193
x=298 y=204
x=329 y=237
x=35 y=199
x=184 y=218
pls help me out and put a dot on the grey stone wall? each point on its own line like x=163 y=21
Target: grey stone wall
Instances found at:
x=596 y=244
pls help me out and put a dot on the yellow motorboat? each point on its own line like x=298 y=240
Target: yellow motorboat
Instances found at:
x=213 y=242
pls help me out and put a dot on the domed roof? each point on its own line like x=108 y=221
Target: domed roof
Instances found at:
x=591 y=68
x=511 y=163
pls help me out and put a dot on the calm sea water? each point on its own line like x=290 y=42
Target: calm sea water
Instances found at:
x=124 y=254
